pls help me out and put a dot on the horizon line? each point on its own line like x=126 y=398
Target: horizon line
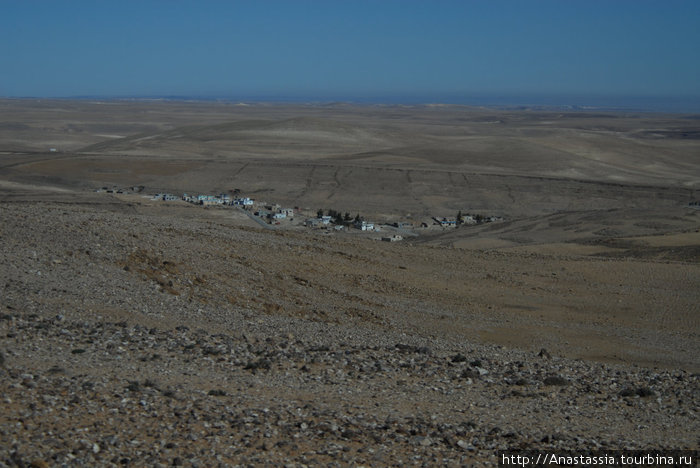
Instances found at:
x=569 y=101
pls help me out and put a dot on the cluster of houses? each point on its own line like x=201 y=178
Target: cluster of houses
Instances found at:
x=221 y=199
x=275 y=214
x=357 y=223
x=465 y=219
x=165 y=197
x=121 y=190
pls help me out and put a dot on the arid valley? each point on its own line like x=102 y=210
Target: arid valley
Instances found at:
x=141 y=332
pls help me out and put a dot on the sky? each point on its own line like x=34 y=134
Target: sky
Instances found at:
x=432 y=50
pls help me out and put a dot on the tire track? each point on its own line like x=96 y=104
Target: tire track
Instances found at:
x=510 y=194
x=241 y=169
x=309 y=182
x=337 y=184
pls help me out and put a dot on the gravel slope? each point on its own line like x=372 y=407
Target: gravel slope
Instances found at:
x=135 y=339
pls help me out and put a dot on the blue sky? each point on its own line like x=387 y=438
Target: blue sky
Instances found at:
x=349 y=49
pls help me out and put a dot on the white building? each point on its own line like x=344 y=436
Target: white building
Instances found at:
x=365 y=226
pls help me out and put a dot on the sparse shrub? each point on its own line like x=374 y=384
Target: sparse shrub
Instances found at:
x=211 y=351
x=150 y=383
x=459 y=358
x=556 y=380
x=134 y=386
x=259 y=364
x=640 y=391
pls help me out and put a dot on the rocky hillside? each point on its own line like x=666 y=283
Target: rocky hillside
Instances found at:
x=131 y=337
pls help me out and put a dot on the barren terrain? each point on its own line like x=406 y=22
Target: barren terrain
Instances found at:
x=138 y=332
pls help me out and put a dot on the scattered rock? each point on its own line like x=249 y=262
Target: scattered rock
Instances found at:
x=207 y=378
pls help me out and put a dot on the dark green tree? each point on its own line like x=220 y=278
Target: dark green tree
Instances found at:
x=460 y=219
x=319 y=213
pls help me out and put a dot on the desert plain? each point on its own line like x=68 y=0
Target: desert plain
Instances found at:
x=136 y=331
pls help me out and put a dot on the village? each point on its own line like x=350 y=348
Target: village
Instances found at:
x=272 y=215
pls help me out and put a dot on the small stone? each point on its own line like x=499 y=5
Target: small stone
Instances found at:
x=464 y=445
x=422 y=441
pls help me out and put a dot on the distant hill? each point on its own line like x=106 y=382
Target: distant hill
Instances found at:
x=303 y=136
